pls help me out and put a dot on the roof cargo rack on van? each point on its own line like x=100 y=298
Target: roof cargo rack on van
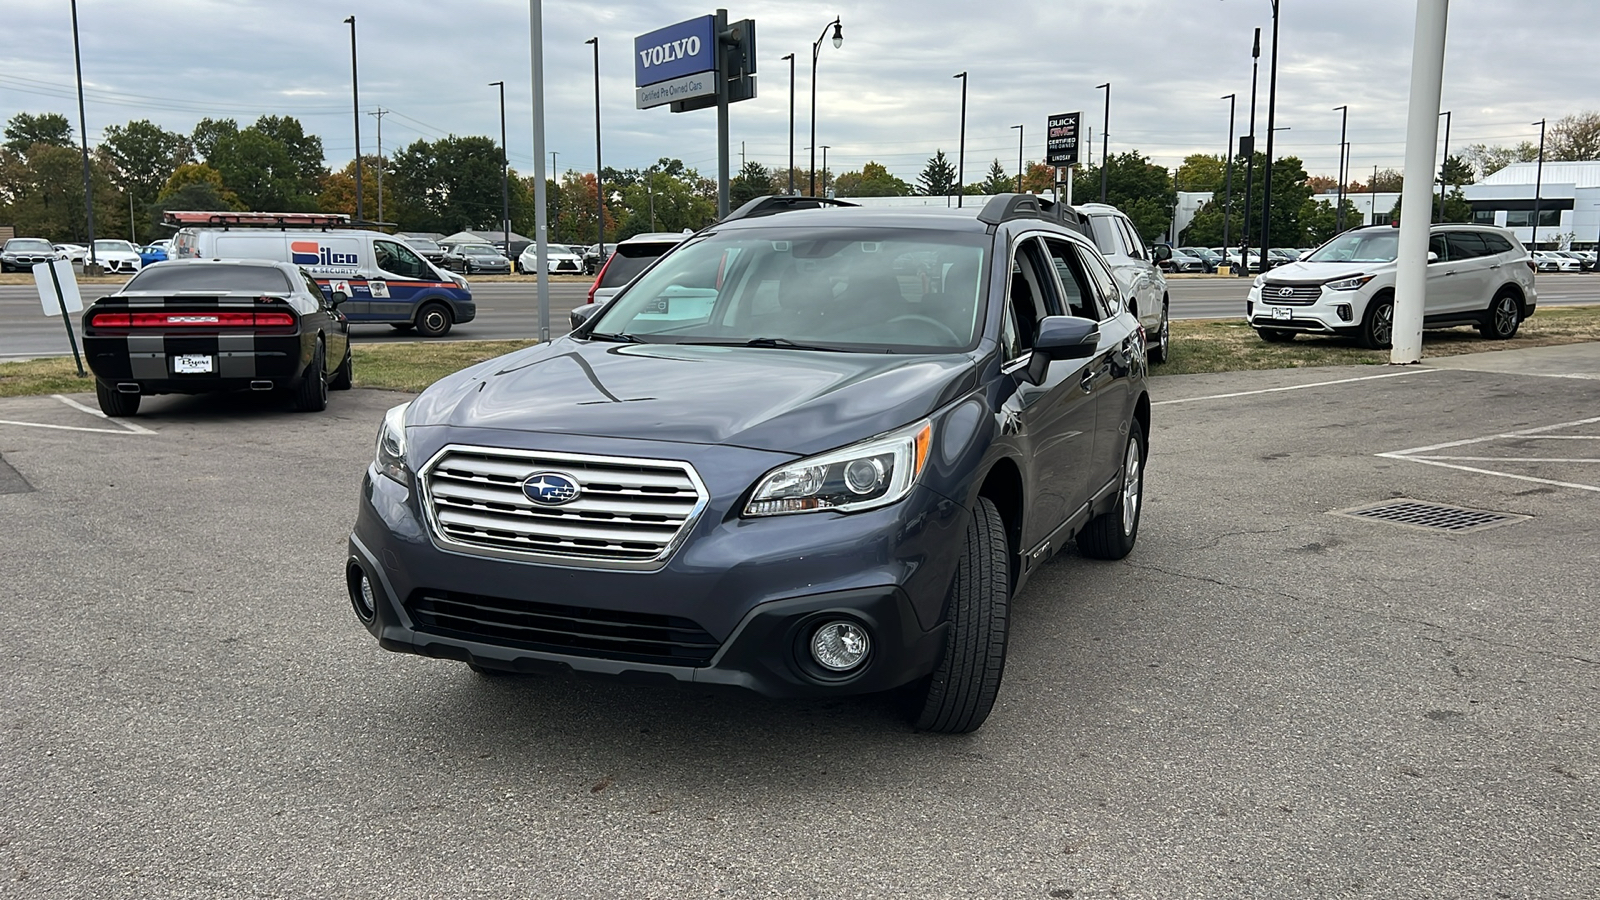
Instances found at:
x=282 y=220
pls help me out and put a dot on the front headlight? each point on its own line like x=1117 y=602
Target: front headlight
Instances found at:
x=1349 y=284
x=391 y=450
x=1260 y=280
x=863 y=476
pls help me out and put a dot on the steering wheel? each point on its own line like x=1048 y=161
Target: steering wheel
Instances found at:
x=944 y=329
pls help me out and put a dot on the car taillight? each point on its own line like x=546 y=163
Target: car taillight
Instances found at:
x=193 y=320
x=109 y=320
x=599 y=276
x=1533 y=267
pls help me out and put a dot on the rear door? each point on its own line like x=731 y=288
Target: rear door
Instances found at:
x=1446 y=290
x=1475 y=271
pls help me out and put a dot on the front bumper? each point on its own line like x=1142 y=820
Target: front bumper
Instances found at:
x=1332 y=312
x=734 y=606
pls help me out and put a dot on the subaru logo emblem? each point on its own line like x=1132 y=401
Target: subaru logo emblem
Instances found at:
x=1286 y=292
x=550 y=488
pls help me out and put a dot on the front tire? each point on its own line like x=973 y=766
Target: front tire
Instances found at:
x=114 y=403
x=433 y=320
x=311 y=394
x=1503 y=319
x=1111 y=535
x=1377 y=326
x=962 y=689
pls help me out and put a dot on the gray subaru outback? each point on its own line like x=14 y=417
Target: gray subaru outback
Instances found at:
x=816 y=449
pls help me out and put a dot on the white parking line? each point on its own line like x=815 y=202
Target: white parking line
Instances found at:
x=1426 y=455
x=69 y=427
x=136 y=429
x=1295 y=387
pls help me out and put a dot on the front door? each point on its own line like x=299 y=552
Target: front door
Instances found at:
x=399 y=275
x=1091 y=292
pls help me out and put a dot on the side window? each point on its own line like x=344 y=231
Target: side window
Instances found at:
x=1106 y=236
x=1465 y=245
x=1110 y=294
x=1130 y=239
x=1077 y=292
x=1010 y=342
x=397 y=260
x=311 y=284
x=1495 y=242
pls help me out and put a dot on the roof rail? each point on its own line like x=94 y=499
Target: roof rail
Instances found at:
x=230 y=219
x=1005 y=207
x=772 y=204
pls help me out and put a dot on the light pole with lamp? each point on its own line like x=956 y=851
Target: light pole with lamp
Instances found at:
x=1272 y=116
x=1248 y=147
x=816 y=48
x=599 y=180
x=1538 y=187
x=1344 y=118
x=1105 y=140
x=961 y=150
x=825 y=170
x=790 y=58
x=1442 y=186
x=1020 y=131
x=355 y=96
x=505 y=171
x=88 y=187
x=1227 y=204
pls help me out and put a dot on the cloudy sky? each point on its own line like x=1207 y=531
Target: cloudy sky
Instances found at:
x=886 y=95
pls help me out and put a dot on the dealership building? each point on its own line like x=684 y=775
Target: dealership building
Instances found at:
x=1569 y=202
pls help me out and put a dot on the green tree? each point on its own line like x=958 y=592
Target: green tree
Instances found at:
x=207 y=132
x=142 y=157
x=1138 y=187
x=574 y=217
x=1456 y=207
x=1201 y=172
x=1575 y=137
x=1039 y=178
x=1289 y=195
x=938 y=177
x=305 y=150
x=1457 y=170
x=194 y=186
x=260 y=170
x=1387 y=181
x=337 y=190
x=1486 y=160
x=447 y=185
x=26 y=129
x=43 y=194
x=873 y=180
x=752 y=181
x=678 y=197
x=995 y=182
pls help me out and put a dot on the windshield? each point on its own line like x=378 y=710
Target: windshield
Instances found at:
x=424 y=246
x=480 y=251
x=1359 y=246
x=883 y=290
x=224 y=278
x=26 y=245
x=109 y=246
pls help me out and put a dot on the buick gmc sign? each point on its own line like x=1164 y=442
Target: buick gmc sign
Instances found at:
x=675 y=62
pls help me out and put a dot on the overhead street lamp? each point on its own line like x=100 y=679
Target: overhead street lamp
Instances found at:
x=961 y=150
x=1344 y=118
x=1227 y=205
x=505 y=170
x=790 y=58
x=355 y=97
x=1105 y=139
x=1272 y=115
x=83 y=132
x=1020 y=131
x=1538 y=187
x=1248 y=148
x=816 y=48
x=599 y=183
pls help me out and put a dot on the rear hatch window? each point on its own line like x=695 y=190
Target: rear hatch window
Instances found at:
x=219 y=279
x=630 y=259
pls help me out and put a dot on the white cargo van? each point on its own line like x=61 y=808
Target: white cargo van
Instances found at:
x=384 y=279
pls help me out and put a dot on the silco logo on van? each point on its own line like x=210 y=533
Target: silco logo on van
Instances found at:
x=670 y=51
x=311 y=253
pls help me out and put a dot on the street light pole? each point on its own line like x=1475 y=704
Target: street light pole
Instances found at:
x=83 y=130
x=355 y=97
x=816 y=48
x=1105 y=141
x=1344 y=118
x=1272 y=115
x=1442 y=186
x=378 y=114
x=790 y=58
x=1227 y=158
x=1020 y=131
x=1250 y=158
x=825 y=170
x=961 y=149
x=599 y=182
x=1538 y=187
x=505 y=170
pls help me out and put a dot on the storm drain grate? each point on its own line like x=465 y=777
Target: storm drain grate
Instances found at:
x=1431 y=516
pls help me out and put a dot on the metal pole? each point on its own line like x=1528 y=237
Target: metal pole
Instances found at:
x=379 y=114
x=1250 y=159
x=133 y=236
x=1344 y=118
x=1446 y=162
x=825 y=169
x=83 y=129
x=355 y=100
x=790 y=58
x=961 y=150
x=505 y=171
x=1105 y=141
x=722 y=116
x=599 y=185
x=541 y=236
x=1422 y=135
x=1272 y=113
x=816 y=48
x=1538 y=186
x=1227 y=158
x=1020 y=131
x=66 y=319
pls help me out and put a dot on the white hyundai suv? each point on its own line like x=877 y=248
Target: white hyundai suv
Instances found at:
x=1477 y=275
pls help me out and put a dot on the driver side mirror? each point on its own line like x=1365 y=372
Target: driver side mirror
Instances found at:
x=1433 y=257
x=338 y=298
x=583 y=314
x=1163 y=252
x=1061 y=337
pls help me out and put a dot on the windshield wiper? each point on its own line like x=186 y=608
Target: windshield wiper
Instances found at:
x=618 y=337
x=783 y=344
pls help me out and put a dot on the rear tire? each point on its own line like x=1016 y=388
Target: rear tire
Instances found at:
x=1377 y=326
x=433 y=320
x=113 y=402
x=311 y=394
x=1111 y=535
x=344 y=376
x=1503 y=318
x=962 y=689
x=1275 y=335
x=1163 y=345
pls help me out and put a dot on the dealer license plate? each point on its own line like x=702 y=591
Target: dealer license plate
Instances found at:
x=1282 y=314
x=192 y=364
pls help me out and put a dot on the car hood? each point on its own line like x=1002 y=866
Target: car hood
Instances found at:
x=787 y=401
x=1304 y=273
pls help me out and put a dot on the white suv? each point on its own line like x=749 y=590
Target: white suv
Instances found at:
x=1477 y=275
x=1137 y=271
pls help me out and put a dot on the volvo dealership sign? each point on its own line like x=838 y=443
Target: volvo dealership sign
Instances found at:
x=677 y=62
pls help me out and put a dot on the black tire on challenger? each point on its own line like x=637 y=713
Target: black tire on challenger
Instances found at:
x=433 y=320
x=113 y=402
x=1377 y=326
x=962 y=689
x=1111 y=534
x=311 y=394
x=344 y=377
x=1503 y=319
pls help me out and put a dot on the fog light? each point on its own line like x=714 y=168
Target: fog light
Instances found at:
x=1343 y=309
x=840 y=646
x=362 y=596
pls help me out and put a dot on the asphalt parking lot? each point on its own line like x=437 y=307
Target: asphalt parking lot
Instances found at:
x=1264 y=700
